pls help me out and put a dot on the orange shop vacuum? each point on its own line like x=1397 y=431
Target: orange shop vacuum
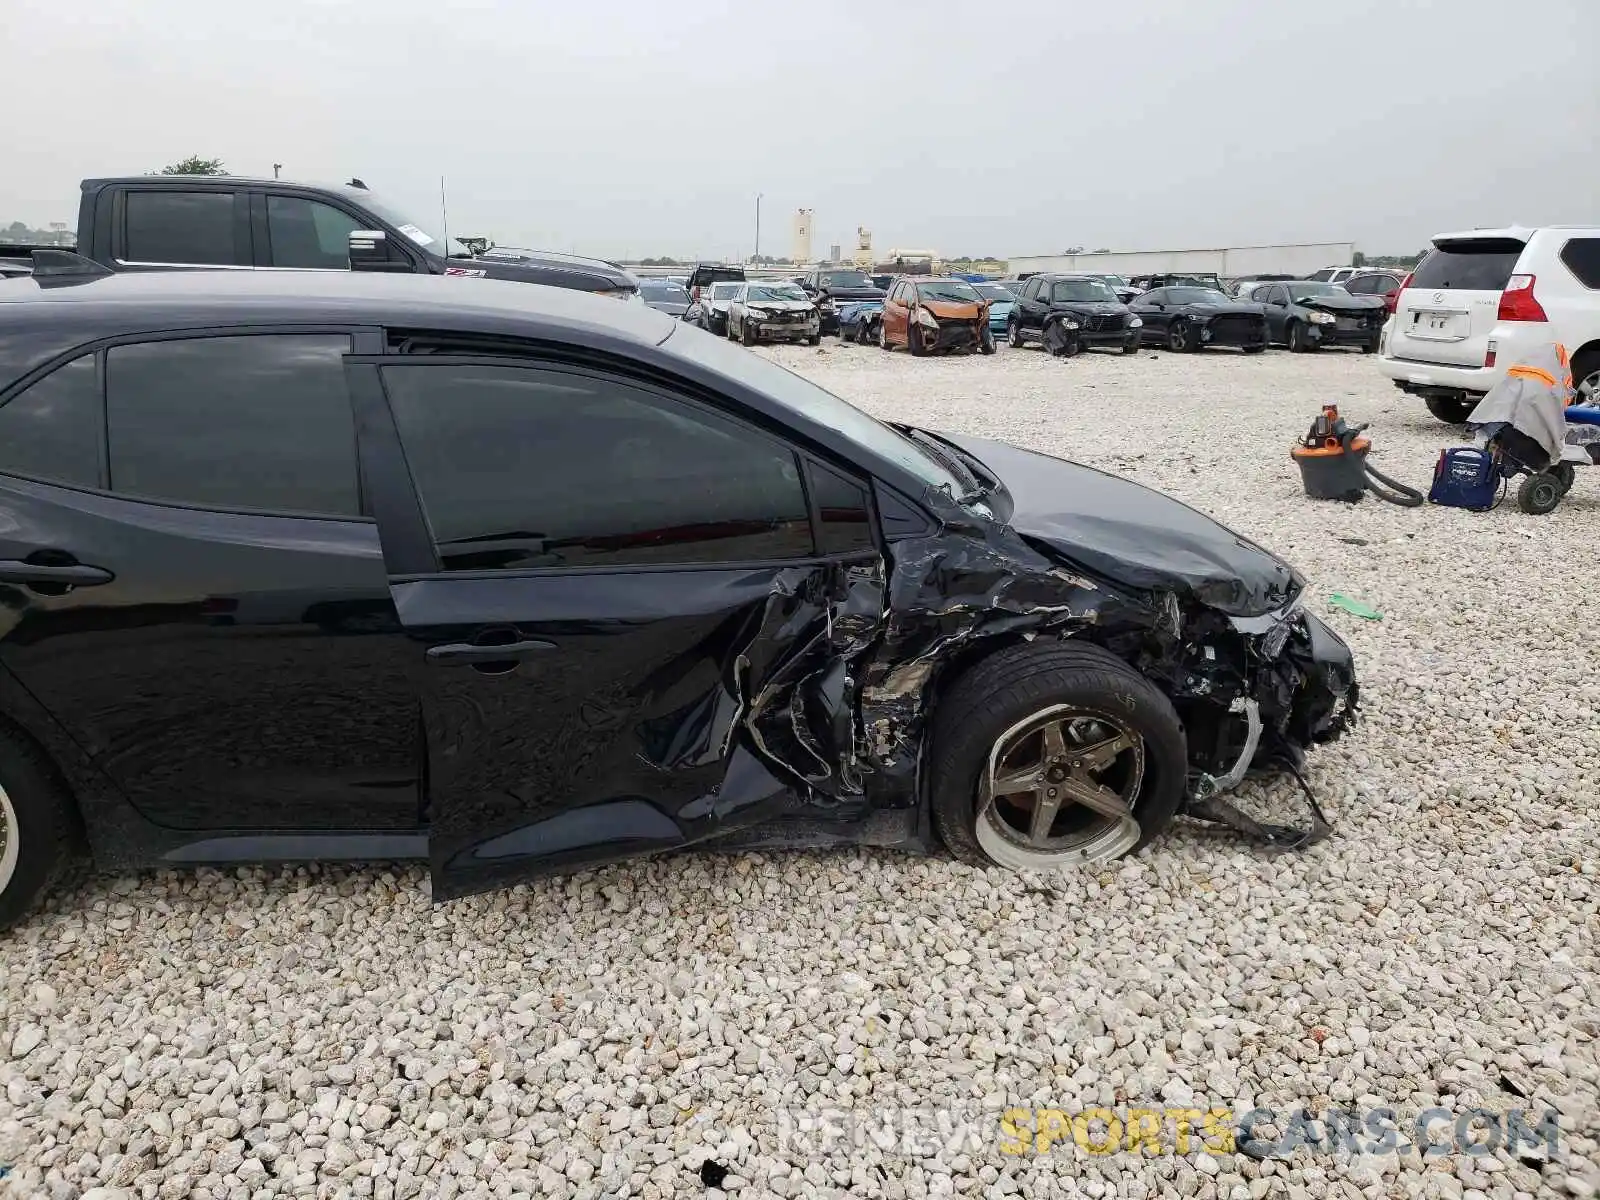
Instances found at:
x=1333 y=464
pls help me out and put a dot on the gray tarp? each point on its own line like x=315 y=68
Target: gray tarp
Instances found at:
x=1532 y=398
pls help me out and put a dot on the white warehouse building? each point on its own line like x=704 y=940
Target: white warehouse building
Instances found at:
x=1228 y=261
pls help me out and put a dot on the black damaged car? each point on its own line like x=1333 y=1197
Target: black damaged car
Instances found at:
x=1186 y=319
x=514 y=580
x=1070 y=313
x=834 y=287
x=1306 y=316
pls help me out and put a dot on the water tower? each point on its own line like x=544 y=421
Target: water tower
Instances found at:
x=801 y=253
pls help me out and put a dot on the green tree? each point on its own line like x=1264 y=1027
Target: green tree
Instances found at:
x=194 y=165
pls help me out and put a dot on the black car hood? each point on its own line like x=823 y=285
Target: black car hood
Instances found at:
x=1347 y=303
x=1090 y=308
x=1133 y=536
x=598 y=278
x=1217 y=310
x=853 y=293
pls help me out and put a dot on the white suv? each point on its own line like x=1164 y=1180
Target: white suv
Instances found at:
x=1334 y=274
x=1479 y=301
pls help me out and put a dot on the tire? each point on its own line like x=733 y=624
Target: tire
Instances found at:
x=1179 y=338
x=38 y=824
x=986 y=707
x=1539 y=494
x=914 y=340
x=1014 y=334
x=1450 y=410
x=883 y=335
x=1255 y=349
x=1131 y=347
x=1566 y=474
x=1294 y=337
x=814 y=340
x=986 y=341
x=1370 y=347
x=1586 y=377
x=747 y=333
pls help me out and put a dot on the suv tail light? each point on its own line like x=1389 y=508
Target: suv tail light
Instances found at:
x=1391 y=300
x=1518 y=303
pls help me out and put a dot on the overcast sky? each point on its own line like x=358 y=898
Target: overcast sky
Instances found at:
x=633 y=127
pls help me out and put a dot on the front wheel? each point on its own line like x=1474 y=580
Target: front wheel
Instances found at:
x=1054 y=755
x=986 y=341
x=38 y=826
x=814 y=340
x=747 y=333
x=1539 y=494
x=914 y=343
x=1180 y=339
x=1295 y=338
x=1131 y=346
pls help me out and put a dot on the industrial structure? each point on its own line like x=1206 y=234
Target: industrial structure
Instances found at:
x=1294 y=259
x=801 y=253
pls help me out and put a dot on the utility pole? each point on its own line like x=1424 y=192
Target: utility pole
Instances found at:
x=758 y=225
x=276 y=167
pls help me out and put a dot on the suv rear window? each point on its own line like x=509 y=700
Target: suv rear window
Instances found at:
x=1481 y=266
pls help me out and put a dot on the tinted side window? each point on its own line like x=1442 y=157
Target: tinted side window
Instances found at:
x=1358 y=285
x=258 y=422
x=525 y=467
x=844 y=516
x=51 y=430
x=179 y=227
x=1277 y=294
x=1582 y=256
x=305 y=233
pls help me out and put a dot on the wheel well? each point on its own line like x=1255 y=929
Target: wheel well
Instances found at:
x=1584 y=351
x=14 y=729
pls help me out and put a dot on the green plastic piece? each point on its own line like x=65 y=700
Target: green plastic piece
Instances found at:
x=1354 y=607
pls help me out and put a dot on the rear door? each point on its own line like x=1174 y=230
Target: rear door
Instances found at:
x=608 y=579
x=1450 y=309
x=195 y=590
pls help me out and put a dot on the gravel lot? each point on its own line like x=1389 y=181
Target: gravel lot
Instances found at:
x=328 y=1033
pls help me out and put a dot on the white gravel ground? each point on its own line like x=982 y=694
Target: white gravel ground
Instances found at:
x=328 y=1033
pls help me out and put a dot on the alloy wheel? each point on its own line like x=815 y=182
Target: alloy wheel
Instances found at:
x=1059 y=789
x=10 y=843
x=1588 y=388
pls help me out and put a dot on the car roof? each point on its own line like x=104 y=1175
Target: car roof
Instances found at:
x=137 y=301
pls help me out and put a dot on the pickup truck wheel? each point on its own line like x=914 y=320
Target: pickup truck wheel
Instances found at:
x=1053 y=755
x=38 y=827
x=1014 y=334
x=1450 y=410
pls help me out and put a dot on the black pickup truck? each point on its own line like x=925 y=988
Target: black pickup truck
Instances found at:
x=220 y=222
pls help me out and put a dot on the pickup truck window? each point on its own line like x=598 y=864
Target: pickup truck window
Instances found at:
x=260 y=423
x=307 y=233
x=179 y=227
x=50 y=431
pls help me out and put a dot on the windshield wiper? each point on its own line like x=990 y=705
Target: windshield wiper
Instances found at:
x=972 y=488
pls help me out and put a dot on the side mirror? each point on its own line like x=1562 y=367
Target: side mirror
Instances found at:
x=369 y=251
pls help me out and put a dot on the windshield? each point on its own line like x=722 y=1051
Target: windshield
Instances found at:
x=1081 y=290
x=1299 y=291
x=993 y=291
x=812 y=402
x=1195 y=295
x=954 y=290
x=776 y=291
x=421 y=234
x=664 y=293
x=845 y=279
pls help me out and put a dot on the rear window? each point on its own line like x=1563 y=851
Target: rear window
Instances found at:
x=1481 y=266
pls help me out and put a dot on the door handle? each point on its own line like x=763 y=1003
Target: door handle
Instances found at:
x=470 y=652
x=72 y=574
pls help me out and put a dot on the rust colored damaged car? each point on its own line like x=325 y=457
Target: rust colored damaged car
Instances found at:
x=927 y=315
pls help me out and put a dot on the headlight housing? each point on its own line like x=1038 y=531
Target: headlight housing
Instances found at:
x=1320 y=318
x=1135 y=322
x=1069 y=323
x=926 y=320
